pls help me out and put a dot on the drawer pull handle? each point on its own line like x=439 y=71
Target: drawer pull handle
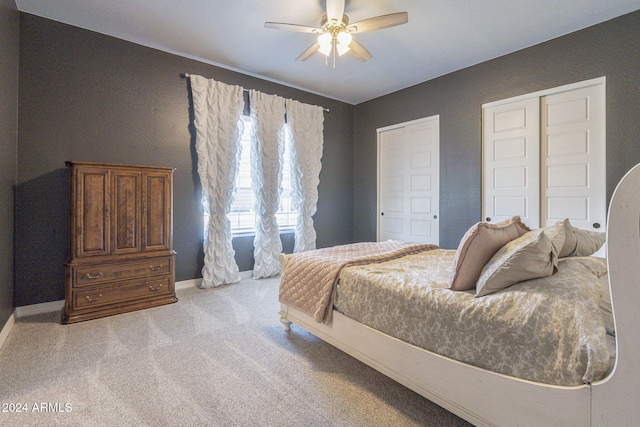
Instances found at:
x=92 y=276
x=151 y=288
x=152 y=268
x=93 y=299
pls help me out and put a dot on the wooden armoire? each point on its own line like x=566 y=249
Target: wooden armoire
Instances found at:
x=121 y=254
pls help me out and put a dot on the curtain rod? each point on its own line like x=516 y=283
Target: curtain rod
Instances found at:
x=186 y=75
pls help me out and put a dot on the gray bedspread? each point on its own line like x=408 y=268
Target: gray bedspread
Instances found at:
x=545 y=330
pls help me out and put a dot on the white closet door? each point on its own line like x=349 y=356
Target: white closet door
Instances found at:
x=573 y=151
x=409 y=182
x=511 y=156
x=544 y=157
x=391 y=185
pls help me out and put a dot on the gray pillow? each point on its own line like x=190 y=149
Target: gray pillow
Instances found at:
x=477 y=246
x=580 y=242
x=528 y=257
x=557 y=234
x=588 y=242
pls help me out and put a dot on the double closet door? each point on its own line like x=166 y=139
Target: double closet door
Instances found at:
x=544 y=157
x=409 y=181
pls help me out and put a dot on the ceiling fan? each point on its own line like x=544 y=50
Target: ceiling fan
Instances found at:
x=334 y=33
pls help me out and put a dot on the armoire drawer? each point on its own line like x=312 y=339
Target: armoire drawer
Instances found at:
x=121 y=292
x=93 y=274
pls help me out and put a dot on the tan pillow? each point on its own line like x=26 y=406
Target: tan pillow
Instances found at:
x=588 y=242
x=580 y=242
x=556 y=233
x=528 y=257
x=570 y=240
x=477 y=247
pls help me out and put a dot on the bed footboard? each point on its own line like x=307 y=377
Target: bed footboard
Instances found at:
x=615 y=398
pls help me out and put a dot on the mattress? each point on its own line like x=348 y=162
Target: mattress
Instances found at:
x=546 y=330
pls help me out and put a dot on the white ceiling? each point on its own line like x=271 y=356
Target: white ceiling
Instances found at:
x=441 y=36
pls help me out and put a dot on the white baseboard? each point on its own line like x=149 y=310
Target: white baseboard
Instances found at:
x=7 y=328
x=191 y=283
x=47 y=307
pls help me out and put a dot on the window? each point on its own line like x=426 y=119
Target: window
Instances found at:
x=242 y=215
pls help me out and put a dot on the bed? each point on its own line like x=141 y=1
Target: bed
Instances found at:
x=600 y=396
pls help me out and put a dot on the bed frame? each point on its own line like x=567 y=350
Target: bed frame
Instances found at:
x=485 y=398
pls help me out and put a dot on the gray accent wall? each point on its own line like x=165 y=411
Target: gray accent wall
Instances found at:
x=89 y=97
x=85 y=96
x=609 y=49
x=9 y=41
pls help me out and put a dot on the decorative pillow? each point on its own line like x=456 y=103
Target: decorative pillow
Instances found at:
x=580 y=242
x=570 y=240
x=556 y=233
x=588 y=241
x=528 y=257
x=477 y=247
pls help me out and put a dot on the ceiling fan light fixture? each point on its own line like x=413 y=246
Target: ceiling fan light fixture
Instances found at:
x=326 y=43
x=325 y=50
x=344 y=40
x=334 y=34
x=342 y=49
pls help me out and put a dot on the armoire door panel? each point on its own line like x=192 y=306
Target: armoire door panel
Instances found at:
x=126 y=212
x=156 y=211
x=91 y=218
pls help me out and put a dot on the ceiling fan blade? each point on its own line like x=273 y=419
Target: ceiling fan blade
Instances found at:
x=335 y=10
x=292 y=27
x=359 y=51
x=379 y=22
x=308 y=53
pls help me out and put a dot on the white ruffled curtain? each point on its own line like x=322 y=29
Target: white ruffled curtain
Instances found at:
x=217 y=110
x=267 y=150
x=306 y=124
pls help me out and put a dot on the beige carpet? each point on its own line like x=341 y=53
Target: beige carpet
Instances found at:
x=218 y=357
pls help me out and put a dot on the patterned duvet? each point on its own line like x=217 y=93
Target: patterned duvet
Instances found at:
x=546 y=330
